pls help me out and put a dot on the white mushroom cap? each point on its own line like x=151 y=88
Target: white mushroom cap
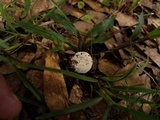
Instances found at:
x=82 y=62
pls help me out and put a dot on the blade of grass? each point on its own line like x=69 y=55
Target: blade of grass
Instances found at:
x=135 y=89
x=136 y=114
x=52 y=11
x=46 y=33
x=27 y=4
x=101 y=27
x=65 y=22
x=130 y=73
x=99 y=40
x=6 y=17
x=27 y=83
x=135 y=99
x=138 y=29
x=4 y=44
x=155 y=33
x=106 y=113
x=106 y=97
x=29 y=101
x=71 y=109
x=65 y=72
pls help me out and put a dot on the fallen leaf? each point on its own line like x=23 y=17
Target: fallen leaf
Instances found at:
x=55 y=91
x=97 y=17
x=152 y=53
x=125 y=20
x=76 y=94
x=6 y=68
x=40 y=5
x=82 y=26
x=35 y=77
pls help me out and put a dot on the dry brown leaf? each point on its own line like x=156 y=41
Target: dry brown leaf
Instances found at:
x=6 y=68
x=40 y=5
x=55 y=91
x=69 y=10
x=97 y=6
x=76 y=94
x=152 y=53
x=106 y=67
x=112 y=69
x=97 y=17
x=82 y=26
x=35 y=77
x=125 y=20
x=147 y=3
x=154 y=21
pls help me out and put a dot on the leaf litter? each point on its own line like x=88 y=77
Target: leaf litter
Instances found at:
x=59 y=91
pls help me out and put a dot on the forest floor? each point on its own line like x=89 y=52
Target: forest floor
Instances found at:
x=118 y=34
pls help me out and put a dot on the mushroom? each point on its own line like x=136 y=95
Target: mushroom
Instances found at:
x=82 y=62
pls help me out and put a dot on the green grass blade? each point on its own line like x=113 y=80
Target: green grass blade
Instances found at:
x=65 y=22
x=138 y=29
x=51 y=11
x=134 y=99
x=26 y=8
x=99 y=40
x=107 y=113
x=28 y=84
x=65 y=72
x=155 y=33
x=130 y=73
x=136 y=114
x=46 y=33
x=4 y=44
x=71 y=109
x=6 y=17
x=134 y=89
x=121 y=77
x=106 y=97
x=29 y=101
x=101 y=27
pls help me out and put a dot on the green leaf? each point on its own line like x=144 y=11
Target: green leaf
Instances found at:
x=155 y=33
x=4 y=44
x=135 y=89
x=65 y=22
x=138 y=29
x=101 y=27
x=71 y=109
x=46 y=33
x=106 y=97
x=27 y=5
x=99 y=40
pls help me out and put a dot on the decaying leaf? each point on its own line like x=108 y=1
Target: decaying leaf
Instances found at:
x=55 y=91
x=6 y=69
x=125 y=20
x=76 y=94
x=35 y=77
x=82 y=26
